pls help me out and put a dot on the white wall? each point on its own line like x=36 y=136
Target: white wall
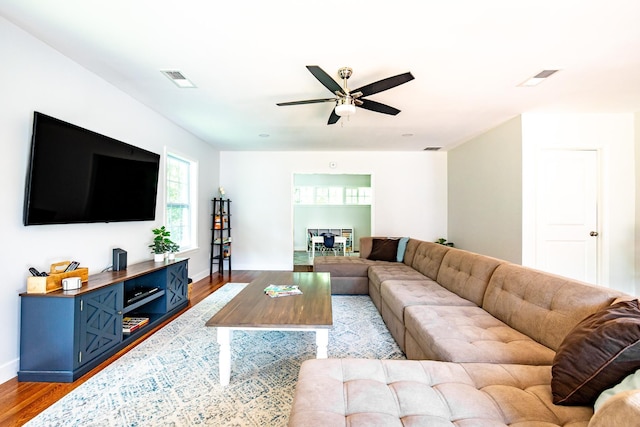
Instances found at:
x=492 y=184
x=485 y=193
x=613 y=136
x=409 y=197
x=636 y=128
x=35 y=77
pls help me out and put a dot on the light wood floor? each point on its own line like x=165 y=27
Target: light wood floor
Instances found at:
x=22 y=401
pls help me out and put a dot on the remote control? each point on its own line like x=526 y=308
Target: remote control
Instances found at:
x=33 y=271
x=72 y=266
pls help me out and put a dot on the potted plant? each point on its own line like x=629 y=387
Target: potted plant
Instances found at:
x=444 y=242
x=159 y=246
x=172 y=248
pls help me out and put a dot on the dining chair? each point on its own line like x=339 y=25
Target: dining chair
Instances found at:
x=328 y=243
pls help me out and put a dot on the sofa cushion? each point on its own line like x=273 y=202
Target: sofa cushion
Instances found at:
x=630 y=382
x=402 y=247
x=380 y=272
x=541 y=305
x=398 y=294
x=598 y=353
x=410 y=251
x=395 y=295
x=470 y=334
x=358 y=392
x=465 y=273
x=384 y=250
x=621 y=410
x=425 y=257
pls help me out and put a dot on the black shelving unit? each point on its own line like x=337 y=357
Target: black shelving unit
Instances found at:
x=221 y=235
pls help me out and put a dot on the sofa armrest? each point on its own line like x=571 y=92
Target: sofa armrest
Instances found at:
x=621 y=410
x=366 y=243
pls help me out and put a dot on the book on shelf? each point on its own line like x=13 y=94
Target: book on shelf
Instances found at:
x=275 y=291
x=130 y=324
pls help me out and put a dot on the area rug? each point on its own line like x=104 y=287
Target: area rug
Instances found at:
x=171 y=379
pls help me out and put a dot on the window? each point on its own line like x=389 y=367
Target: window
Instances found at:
x=364 y=196
x=351 y=196
x=333 y=195
x=336 y=196
x=181 y=201
x=322 y=196
x=358 y=196
x=304 y=195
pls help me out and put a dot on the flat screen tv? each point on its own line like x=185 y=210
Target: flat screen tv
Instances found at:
x=78 y=176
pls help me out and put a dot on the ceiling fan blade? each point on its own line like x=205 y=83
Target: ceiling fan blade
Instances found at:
x=308 y=101
x=384 y=84
x=333 y=118
x=325 y=79
x=378 y=107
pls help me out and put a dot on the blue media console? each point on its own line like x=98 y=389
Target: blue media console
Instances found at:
x=65 y=334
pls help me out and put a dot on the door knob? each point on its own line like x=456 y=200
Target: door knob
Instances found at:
x=593 y=234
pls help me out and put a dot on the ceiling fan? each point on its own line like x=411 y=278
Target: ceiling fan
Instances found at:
x=347 y=100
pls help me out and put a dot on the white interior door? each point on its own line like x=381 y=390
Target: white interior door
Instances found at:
x=567 y=201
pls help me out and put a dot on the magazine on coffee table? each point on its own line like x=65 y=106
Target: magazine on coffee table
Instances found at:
x=275 y=291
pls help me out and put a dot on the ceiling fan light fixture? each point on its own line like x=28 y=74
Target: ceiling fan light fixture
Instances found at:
x=347 y=100
x=345 y=107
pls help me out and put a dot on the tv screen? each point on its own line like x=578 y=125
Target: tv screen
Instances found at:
x=79 y=176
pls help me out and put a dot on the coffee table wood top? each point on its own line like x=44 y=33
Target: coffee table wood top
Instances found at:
x=252 y=308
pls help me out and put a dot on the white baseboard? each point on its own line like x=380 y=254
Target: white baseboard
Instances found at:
x=199 y=276
x=9 y=370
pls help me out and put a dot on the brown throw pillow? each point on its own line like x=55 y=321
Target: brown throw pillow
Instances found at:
x=597 y=354
x=384 y=250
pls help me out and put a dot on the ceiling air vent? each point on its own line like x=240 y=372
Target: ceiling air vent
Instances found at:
x=432 y=148
x=544 y=74
x=175 y=75
x=538 y=78
x=178 y=78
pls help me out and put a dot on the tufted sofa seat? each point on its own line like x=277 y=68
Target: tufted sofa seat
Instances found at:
x=523 y=318
x=355 y=392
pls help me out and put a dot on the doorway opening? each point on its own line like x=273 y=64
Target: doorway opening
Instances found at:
x=339 y=204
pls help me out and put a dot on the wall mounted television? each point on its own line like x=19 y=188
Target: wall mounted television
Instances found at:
x=79 y=176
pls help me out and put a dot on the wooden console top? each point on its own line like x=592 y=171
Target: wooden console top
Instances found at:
x=106 y=278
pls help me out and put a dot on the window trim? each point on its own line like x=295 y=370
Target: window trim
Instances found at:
x=193 y=194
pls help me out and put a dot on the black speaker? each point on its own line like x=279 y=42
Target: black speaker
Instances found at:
x=119 y=259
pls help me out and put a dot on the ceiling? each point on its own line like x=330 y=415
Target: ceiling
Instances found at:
x=467 y=56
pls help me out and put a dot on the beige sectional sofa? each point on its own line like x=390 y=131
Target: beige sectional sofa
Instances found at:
x=487 y=339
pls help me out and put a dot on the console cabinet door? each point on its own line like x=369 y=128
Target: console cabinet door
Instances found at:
x=100 y=326
x=177 y=283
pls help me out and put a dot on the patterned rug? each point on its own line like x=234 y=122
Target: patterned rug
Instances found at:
x=171 y=379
